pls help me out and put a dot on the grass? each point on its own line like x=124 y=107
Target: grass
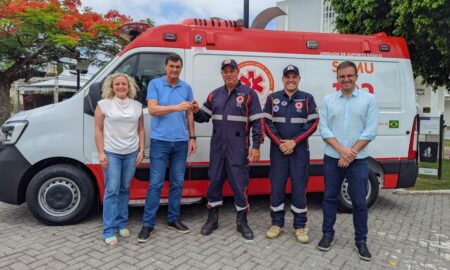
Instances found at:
x=446 y=142
x=428 y=182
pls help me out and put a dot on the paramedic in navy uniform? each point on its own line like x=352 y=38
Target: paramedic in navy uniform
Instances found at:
x=348 y=123
x=172 y=139
x=234 y=109
x=290 y=118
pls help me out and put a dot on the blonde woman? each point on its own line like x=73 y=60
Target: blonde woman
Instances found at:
x=119 y=136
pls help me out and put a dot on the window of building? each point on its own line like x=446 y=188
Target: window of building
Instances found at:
x=328 y=17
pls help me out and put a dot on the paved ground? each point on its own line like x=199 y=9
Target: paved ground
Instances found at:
x=405 y=232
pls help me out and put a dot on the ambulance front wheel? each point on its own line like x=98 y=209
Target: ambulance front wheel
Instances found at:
x=373 y=187
x=60 y=194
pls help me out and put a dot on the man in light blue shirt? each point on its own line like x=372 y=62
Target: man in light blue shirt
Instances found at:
x=348 y=123
x=172 y=139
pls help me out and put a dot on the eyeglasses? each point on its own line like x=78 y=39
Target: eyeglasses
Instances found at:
x=347 y=76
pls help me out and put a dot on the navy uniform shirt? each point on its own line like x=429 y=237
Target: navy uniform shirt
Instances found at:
x=294 y=118
x=233 y=115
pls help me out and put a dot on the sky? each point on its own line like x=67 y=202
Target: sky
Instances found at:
x=173 y=11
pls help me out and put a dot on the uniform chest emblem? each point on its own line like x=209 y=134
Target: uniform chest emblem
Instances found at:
x=283 y=103
x=239 y=101
x=298 y=105
x=276 y=101
x=276 y=108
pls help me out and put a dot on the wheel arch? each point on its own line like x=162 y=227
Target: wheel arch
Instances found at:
x=375 y=167
x=36 y=168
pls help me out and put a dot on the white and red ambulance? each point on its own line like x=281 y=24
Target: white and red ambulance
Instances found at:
x=48 y=156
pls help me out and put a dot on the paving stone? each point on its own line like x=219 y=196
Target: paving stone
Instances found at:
x=405 y=232
x=19 y=266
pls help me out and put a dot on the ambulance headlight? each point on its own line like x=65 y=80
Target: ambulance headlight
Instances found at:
x=11 y=132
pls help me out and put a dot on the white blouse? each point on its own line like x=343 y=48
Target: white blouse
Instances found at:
x=120 y=127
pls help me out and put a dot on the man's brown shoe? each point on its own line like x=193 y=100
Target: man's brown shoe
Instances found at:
x=274 y=232
x=302 y=235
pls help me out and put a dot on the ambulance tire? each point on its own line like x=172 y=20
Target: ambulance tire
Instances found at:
x=344 y=202
x=60 y=194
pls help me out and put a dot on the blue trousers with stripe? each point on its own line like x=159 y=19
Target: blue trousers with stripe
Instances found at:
x=295 y=166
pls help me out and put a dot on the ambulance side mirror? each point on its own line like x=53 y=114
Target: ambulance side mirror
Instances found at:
x=94 y=95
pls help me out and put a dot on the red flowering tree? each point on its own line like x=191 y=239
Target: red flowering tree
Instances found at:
x=35 y=33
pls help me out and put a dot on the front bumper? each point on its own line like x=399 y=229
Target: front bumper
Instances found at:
x=408 y=174
x=13 y=167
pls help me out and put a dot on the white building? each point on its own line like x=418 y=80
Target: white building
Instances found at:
x=302 y=15
x=447 y=114
x=433 y=103
x=42 y=91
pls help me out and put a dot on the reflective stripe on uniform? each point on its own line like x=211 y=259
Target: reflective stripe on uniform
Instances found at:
x=299 y=210
x=238 y=208
x=256 y=116
x=278 y=208
x=214 y=204
x=313 y=116
x=268 y=116
x=217 y=117
x=206 y=110
x=279 y=120
x=298 y=120
x=236 y=118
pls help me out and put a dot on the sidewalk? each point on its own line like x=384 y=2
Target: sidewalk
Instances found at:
x=405 y=232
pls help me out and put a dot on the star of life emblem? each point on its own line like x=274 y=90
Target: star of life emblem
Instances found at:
x=258 y=77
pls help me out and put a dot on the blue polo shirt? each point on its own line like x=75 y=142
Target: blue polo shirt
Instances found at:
x=348 y=119
x=171 y=127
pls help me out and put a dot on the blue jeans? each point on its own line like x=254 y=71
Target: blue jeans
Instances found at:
x=356 y=174
x=118 y=177
x=160 y=153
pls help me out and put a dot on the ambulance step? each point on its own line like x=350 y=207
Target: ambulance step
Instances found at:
x=190 y=200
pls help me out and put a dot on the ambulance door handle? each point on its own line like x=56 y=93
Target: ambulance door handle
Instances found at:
x=407 y=132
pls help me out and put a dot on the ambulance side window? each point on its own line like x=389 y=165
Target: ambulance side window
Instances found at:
x=150 y=66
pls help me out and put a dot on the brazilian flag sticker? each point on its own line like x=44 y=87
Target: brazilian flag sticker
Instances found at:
x=394 y=124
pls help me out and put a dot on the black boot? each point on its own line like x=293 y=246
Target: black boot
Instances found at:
x=212 y=223
x=242 y=225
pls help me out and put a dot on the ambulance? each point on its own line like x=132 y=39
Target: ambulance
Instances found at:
x=48 y=157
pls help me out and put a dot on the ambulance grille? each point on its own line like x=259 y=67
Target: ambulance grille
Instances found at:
x=214 y=22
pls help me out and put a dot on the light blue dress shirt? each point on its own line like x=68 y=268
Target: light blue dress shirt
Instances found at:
x=173 y=126
x=348 y=119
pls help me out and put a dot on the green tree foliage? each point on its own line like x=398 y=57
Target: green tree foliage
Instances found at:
x=36 y=33
x=149 y=21
x=425 y=25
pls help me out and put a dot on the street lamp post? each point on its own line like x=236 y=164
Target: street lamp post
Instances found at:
x=81 y=67
x=246 y=13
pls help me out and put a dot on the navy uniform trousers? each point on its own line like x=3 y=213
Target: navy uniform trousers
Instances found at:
x=289 y=118
x=296 y=166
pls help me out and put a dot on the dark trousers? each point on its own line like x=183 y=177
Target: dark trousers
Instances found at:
x=356 y=174
x=296 y=166
x=222 y=167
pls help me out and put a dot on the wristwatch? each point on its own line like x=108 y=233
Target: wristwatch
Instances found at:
x=192 y=137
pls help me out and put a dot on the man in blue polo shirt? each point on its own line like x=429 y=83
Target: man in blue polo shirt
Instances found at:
x=348 y=123
x=172 y=139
